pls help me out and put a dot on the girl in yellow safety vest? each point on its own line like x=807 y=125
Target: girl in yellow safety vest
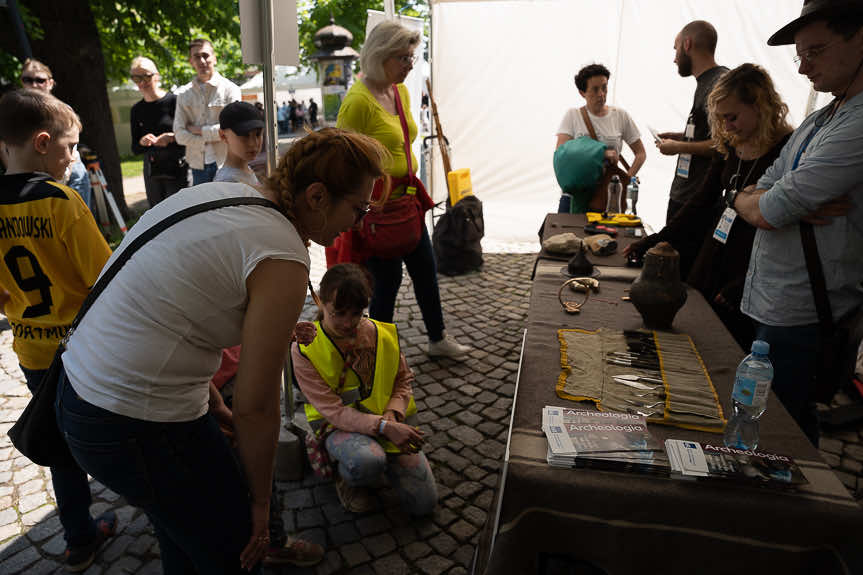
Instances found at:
x=358 y=387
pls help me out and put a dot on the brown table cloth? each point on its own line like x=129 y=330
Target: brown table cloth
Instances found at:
x=632 y=523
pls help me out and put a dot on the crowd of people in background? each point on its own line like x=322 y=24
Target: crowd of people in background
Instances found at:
x=146 y=419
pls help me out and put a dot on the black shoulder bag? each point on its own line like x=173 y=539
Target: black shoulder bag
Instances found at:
x=36 y=433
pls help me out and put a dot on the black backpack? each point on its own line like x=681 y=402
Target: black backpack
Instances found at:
x=457 y=236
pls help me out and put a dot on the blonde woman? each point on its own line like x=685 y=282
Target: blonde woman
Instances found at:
x=749 y=127
x=370 y=108
x=137 y=418
x=152 y=123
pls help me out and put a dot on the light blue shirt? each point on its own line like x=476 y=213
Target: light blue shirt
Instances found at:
x=777 y=290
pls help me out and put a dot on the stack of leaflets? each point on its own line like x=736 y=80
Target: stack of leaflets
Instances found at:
x=606 y=440
x=690 y=459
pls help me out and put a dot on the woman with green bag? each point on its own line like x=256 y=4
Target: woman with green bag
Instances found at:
x=577 y=164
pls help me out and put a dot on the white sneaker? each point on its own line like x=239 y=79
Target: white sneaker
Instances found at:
x=448 y=347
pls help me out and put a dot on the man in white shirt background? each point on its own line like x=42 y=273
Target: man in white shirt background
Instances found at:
x=196 y=121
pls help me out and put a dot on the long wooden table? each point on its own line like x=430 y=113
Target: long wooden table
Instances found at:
x=630 y=523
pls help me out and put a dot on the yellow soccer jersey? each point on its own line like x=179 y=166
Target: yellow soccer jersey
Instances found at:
x=52 y=254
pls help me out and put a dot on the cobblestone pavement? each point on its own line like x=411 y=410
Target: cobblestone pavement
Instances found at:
x=463 y=408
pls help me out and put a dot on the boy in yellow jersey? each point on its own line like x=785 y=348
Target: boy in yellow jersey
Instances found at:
x=52 y=253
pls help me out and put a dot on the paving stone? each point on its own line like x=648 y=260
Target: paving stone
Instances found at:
x=447 y=457
x=154 y=567
x=457 y=571
x=45 y=529
x=467 y=489
x=466 y=435
x=25 y=474
x=475 y=515
x=123 y=566
x=462 y=530
x=116 y=547
x=325 y=494
x=308 y=518
x=37 y=515
x=454 y=502
x=7 y=516
x=44 y=567
x=31 y=502
x=464 y=555
x=443 y=544
x=330 y=565
x=475 y=473
x=447 y=409
x=138 y=525
x=335 y=513
x=20 y=560
x=344 y=533
x=404 y=534
x=490 y=480
x=443 y=516
x=354 y=554
x=830 y=445
x=391 y=565
x=851 y=465
x=417 y=549
x=12 y=546
x=484 y=499
x=298 y=499
x=10 y=530
x=847 y=479
x=374 y=524
x=379 y=545
x=141 y=544
x=6 y=489
x=443 y=424
x=426 y=529
x=434 y=564
x=855 y=451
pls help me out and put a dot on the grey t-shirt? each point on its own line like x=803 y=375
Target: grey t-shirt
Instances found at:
x=229 y=174
x=682 y=187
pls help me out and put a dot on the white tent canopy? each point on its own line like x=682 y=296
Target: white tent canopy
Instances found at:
x=503 y=73
x=287 y=78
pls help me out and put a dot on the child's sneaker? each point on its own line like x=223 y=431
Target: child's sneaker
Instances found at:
x=80 y=557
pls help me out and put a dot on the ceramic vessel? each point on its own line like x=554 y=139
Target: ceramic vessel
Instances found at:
x=657 y=292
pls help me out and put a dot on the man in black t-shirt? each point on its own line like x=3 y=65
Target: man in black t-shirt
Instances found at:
x=694 y=47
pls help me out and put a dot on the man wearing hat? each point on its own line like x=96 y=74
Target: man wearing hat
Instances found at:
x=241 y=128
x=817 y=180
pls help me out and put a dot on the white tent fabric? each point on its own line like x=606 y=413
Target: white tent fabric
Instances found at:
x=503 y=73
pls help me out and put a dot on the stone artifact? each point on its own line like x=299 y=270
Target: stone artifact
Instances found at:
x=564 y=244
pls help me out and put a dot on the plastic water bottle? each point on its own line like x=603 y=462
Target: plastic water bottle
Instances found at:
x=615 y=196
x=632 y=196
x=749 y=398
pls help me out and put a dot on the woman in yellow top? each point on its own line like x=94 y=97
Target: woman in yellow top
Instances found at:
x=370 y=108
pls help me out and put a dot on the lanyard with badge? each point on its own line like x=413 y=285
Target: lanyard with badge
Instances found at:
x=684 y=160
x=723 y=228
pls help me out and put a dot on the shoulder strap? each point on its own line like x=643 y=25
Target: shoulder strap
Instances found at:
x=152 y=232
x=405 y=130
x=588 y=123
x=592 y=132
x=816 y=276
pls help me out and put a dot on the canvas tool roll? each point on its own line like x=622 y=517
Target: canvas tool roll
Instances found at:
x=686 y=397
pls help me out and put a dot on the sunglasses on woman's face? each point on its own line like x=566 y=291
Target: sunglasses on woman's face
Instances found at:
x=34 y=80
x=138 y=78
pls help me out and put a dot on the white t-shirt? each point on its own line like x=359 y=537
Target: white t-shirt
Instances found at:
x=228 y=174
x=612 y=129
x=153 y=339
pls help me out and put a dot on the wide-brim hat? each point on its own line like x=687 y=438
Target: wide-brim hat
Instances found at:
x=813 y=10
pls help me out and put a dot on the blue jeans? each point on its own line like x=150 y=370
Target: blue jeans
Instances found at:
x=205 y=175
x=362 y=462
x=182 y=475
x=793 y=353
x=71 y=487
x=423 y=271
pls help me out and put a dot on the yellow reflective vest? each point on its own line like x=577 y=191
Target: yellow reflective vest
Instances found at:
x=329 y=362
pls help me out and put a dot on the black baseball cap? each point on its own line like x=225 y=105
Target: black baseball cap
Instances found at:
x=241 y=117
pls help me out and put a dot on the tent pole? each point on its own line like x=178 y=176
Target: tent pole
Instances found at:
x=430 y=167
x=269 y=65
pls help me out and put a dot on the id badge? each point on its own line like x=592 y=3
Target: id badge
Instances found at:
x=690 y=131
x=720 y=234
x=410 y=191
x=683 y=161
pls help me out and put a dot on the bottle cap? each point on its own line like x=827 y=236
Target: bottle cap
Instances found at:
x=760 y=347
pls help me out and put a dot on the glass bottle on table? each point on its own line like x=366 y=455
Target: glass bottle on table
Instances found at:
x=632 y=196
x=749 y=398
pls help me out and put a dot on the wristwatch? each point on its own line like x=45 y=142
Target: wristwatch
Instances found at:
x=732 y=197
